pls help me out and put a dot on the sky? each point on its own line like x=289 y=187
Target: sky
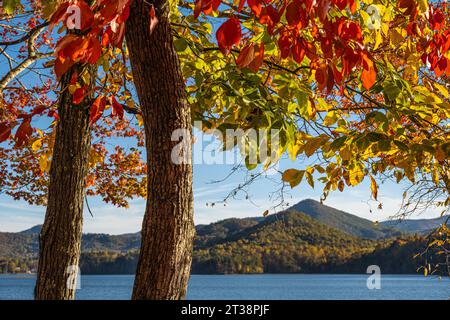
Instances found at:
x=18 y=215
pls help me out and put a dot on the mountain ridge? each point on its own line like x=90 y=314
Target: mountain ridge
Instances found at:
x=318 y=239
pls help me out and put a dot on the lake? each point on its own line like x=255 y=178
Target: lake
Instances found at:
x=264 y=287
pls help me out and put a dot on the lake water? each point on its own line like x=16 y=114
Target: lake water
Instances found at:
x=267 y=286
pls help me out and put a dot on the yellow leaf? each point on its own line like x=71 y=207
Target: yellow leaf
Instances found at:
x=140 y=120
x=345 y=153
x=293 y=176
x=443 y=90
x=330 y=119
x=36 y=145
x=310 y=179
x=356 y=176
x=373 y=187
x=44 y=162
x=378 y=40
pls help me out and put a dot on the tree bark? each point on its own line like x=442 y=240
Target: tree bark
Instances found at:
x=168 y=229
x=60 y=237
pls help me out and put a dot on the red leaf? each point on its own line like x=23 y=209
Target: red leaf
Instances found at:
x=5 y=132
x=269 y=16
x=437 y=19
x=349 y=30
x=246 y=55
x=153 y=19
x=94 y=52
x=58 y=15
x=62 y=66
x=295 y=15
x=256 y=6
x=97 y=109
x=229 y=34
x=87 y=16
x=321 y=76
x=117 y=108
x=298 y=51
x=241 y=5
x=79 y=95
x=39 y=110
x=205 y=6
x=24 y=132
x=54 y=114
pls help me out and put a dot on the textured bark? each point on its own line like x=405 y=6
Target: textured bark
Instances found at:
x=60 y=238
x=168 y=228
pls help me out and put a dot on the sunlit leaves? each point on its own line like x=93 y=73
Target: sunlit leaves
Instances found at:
x=228 y=35
x=293 y=176
x=10 y=5
x=97 y=109
x=374 y=188
x=369 y=74
x=251 y=57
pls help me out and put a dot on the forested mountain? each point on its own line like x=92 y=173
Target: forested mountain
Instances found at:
x=308 y=237
x=419 y=226
x=344 y=221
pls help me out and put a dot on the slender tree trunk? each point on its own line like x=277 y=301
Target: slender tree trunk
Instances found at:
x=168 y=229
x=60 y=238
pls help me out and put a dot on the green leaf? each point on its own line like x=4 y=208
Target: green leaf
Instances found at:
x=10 y=5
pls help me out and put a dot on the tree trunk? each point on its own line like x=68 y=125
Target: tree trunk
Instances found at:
x=168 y=229
x=60 y=237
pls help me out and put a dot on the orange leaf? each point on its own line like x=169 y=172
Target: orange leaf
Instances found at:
x=256 y=6
x=97 y=109
x=374 y=188
x=369 y=74
x=251 y=56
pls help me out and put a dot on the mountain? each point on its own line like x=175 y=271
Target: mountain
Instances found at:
x=344 y=221
x=308 y=237
x=289 y=241
x=32 y=230
x=26 y=243
x=419 y=226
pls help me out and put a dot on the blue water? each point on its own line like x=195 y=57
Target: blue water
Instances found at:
x=268 y=286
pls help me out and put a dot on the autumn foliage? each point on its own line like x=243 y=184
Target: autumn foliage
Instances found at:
x=361 y=84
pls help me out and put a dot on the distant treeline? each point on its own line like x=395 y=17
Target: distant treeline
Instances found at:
x=396 y=257
x=291 y=242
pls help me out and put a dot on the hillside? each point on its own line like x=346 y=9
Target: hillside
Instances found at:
x=26 y=243
x=318 y=239
x=346 y=222
x=286 y=242
x=419 y=226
